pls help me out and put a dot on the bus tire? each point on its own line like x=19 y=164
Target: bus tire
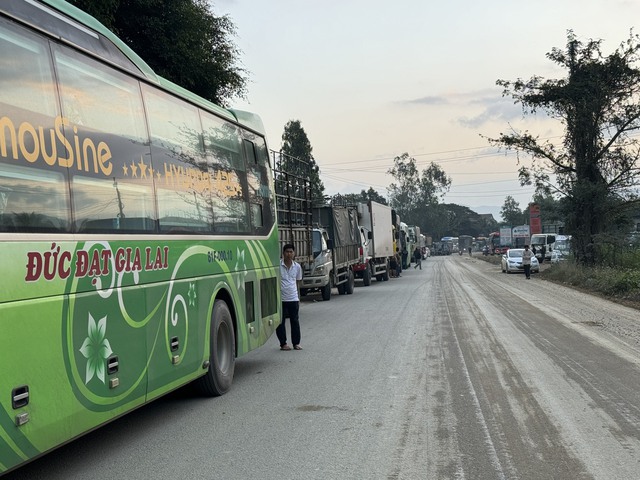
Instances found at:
x=366 y=276
x=222 y=347
x=326 y=292
x=351 y=283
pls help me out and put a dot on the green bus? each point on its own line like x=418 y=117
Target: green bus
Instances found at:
x=139 y=248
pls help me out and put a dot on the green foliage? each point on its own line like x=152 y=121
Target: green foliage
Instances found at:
x=596 y=169
x=182 y=40
x=453 y=220
x=363 y=197
x=295 y=143
x=511 y=213
x=414 y=195
x=550 y=208
x=614 y=282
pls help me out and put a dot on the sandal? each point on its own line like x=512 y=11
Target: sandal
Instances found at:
x=297 y=347
x=285 y=347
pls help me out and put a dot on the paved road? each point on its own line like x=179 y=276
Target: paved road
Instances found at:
x=456 y=371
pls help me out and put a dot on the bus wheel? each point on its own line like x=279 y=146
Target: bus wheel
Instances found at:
x=222 y=353
x=366 y=276
x=350 y=286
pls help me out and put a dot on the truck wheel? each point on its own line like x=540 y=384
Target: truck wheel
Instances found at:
x=222 y=353
x=366 y=276
x=385 y=275
x=342 y=288
x=350 y=285
x=326 y=292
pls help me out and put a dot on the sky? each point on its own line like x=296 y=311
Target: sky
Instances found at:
x=370 y=80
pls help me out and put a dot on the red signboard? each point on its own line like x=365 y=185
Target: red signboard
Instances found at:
x=534 y=218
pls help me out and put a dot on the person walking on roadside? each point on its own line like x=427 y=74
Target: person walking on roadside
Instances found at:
x=417 y=257
x=526 y=261
x=393 y=266
x=290 y=280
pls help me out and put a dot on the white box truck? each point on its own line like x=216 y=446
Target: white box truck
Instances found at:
x=376 y=224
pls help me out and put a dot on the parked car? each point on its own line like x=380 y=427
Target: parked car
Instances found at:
x=557 y=256
x=512 y=261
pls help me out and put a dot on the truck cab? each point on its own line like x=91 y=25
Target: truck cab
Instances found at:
x=318 y=276
x=543 y=242
x=363 y=269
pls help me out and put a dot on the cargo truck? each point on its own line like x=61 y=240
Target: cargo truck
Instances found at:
x=326 y=239
x=336 y=245
x=294 y=207
x=376 y=224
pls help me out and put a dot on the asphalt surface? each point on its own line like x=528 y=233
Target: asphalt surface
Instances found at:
x=455 y=371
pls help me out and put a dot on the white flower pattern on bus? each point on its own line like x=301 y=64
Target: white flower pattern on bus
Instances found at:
x=241 y=268
x=96 y=349
x=192 y=295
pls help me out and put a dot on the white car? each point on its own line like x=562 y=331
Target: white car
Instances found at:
x=512 y=261
x=558 y=256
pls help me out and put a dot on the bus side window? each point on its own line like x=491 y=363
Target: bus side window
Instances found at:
x=249 y=152
x=259 y=180
x=34 y=195
x=103 y=110
x=226 y=167
x=180 y=169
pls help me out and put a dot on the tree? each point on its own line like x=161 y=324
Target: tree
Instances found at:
x=596 y=168
x=414 y=193
x=295 y=143
x=510 y=212
x=550 y=208
x=181 y=40
x=363 y=197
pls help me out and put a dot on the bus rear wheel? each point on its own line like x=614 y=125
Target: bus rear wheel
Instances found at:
x=222 y=353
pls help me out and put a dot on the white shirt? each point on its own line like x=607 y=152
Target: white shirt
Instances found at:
x=289 y=278
x=526 y=257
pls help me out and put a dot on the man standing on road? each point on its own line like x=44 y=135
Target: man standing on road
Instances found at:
x=290 y=280
x=526 y=261
x=417 y=257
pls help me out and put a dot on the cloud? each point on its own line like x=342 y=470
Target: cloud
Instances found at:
x=495 y=109
x=492 y=105
x=432 y=100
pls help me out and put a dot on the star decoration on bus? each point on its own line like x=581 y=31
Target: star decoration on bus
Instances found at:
x=143 y=168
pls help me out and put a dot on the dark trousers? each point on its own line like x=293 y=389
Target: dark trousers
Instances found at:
x=289 y=309
x=527 y=270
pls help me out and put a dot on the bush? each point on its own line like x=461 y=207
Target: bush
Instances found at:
x=612 y=282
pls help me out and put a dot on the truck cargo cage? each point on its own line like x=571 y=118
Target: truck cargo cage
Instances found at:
x=293 y=202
